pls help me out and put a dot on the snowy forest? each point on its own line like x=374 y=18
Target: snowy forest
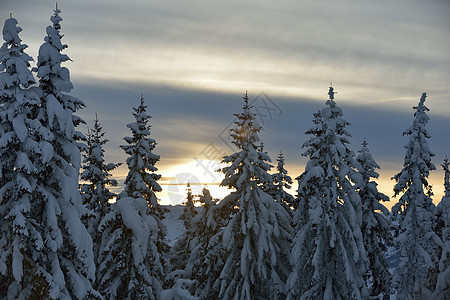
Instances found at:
x=65 y=235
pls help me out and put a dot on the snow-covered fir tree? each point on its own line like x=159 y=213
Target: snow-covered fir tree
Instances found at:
x=141 y=181
x=129 y=266
x=21 y=154
x=95 y=193
x=416 y=275
x=142 y=178
x=313 y=144
x=375 y=226
x=280 y=182
x=96 y=174
x=201 y=264
x=328 y=253
x=252 y=250
x=127 y=253
x=57 y=256
x=180 y=251
x=443 y=282
x=189 y=211
x=191 y=279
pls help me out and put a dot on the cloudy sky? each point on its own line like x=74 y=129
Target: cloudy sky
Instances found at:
x=193 y=60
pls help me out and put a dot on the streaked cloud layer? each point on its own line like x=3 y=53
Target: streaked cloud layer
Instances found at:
x=193 y=59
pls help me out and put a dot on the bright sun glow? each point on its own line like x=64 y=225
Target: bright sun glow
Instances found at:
x=198 y=173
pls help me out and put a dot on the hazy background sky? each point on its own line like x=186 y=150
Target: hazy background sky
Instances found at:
x=193 y=60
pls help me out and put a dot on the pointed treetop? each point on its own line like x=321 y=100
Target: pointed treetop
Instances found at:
x=56 y=18
x=331 y=92
x=56 y=10
x=424 y=95
x=445 y=166
x=364 y=143
x=11 y=32
x=280 y=156
x=421 y=107
x=246 y=106
x=189 y=187
x=280 y=160
x=142 y=107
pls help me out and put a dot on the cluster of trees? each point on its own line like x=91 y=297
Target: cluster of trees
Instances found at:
x=60 y=239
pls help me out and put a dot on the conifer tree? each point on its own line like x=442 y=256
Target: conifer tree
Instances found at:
x=141 y=180
x=131 y=255
x=95 y=194
x=328 y=255
x=375 y=226
x=415 y=277
x=253 y=248
x=21 y=154
x=191 y=268
x=61 y=253
x=201 y=266
x=129 y=266
x=96 y=173
x=281 y=181
x=443 y=282
x=189 y=211
x=180 y=251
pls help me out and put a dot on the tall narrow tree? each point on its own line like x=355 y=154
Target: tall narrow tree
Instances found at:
x=256 y=240
x=443 y=282
x=191 y=267
x=142 y=178
x=375 y=226
x=65 y=257
x=52 y=252
x=328 y=254
x=181 y=250
x=129 y=265
x=131 y=255
x=280 y=182
x=95 y=193
x=416 y=275
x=21 y=152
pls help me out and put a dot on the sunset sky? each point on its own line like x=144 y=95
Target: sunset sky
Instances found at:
x=193 y=60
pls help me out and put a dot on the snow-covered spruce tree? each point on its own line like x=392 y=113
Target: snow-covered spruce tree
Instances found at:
x=443 y=282
x=131 y=255
x=141 y=180
x=201 y=266
x=180 y=251
x=191 y=278
x=416 y=275
x=314 y=144
x=21 y=239
x=280 y=182
x=129 y=266
x=375 y=226
x=58 y=260
x=189 y=211
x=328 y=255
x=257 y=238
x=96 y=173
